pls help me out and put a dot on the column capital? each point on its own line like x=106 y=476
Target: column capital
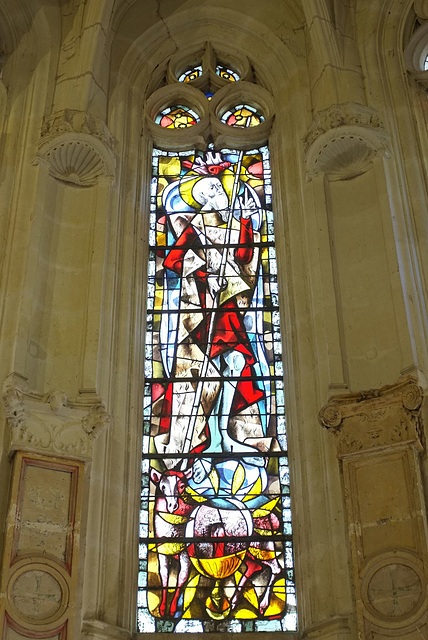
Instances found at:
x=375 y=418
x=51 y=423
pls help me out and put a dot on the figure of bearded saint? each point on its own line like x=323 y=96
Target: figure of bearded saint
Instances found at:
x=217 y=400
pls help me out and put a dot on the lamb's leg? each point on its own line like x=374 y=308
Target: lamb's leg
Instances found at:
x=252 y=567
x=275 y=569
x=183 y=574
x=163 y=572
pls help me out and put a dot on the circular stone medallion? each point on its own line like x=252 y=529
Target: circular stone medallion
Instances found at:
x=394 y=590
x=36 y=595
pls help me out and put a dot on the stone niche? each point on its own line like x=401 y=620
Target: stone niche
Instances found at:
x=379 y=441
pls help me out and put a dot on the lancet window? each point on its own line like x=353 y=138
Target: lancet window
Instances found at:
x=215 y=525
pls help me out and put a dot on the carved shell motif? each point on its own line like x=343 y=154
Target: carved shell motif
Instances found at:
x=77 y=148
x=76 y=161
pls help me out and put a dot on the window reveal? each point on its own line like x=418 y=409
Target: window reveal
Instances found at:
x=215 y=533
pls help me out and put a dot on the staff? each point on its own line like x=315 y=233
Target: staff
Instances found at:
x=198 y=392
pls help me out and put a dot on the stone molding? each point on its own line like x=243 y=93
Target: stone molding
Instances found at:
x=415 y=53
x=210 y=113
x=343 y=140
x=51 y=423
x=376 y=418
x=99 y=630
x=421 y=9
x=77 y=148
x=337 y=628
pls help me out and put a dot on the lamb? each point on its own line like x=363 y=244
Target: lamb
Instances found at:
x=170 y=517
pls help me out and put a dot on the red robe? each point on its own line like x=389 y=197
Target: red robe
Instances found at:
x=229 y=331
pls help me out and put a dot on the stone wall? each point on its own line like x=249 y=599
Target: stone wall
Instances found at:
x=349 y=147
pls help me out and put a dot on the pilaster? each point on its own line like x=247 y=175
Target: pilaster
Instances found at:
x=379 y=440
x=50 y=442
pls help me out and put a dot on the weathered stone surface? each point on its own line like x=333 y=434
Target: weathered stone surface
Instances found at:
x=37 y=595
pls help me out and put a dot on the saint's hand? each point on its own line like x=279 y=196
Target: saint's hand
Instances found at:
x=247 y=204
x=215 y=285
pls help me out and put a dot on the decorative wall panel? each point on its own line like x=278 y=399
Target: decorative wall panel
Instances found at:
x=379 y=442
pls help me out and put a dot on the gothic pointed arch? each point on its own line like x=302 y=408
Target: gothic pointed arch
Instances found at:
x=215 y=458
x=142 y=47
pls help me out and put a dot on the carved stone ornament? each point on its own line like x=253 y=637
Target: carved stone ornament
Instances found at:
x=38 y=594
x=394 y=589
x=375 y=418
x=77 y=148
x=421 y=9
x=51 y=423
x=343 y=140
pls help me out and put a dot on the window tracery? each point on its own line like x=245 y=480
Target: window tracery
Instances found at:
x=416 y=50
x=215 y=526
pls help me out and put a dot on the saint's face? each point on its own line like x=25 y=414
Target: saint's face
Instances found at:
x=209 y=192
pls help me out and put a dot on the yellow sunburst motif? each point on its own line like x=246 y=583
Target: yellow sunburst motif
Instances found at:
x=238 y=479
x=267 y=508
x=277 y=604
x=190 y=591
x=256 y=490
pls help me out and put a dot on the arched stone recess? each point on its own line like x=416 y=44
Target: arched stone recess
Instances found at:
x=416 y=49
x=142 y=47
x=401 y=174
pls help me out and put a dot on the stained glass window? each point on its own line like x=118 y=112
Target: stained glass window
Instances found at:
x=243 y=115
x=177 y=117
x=215 y=525
x=226 y=73
x=191 y=74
